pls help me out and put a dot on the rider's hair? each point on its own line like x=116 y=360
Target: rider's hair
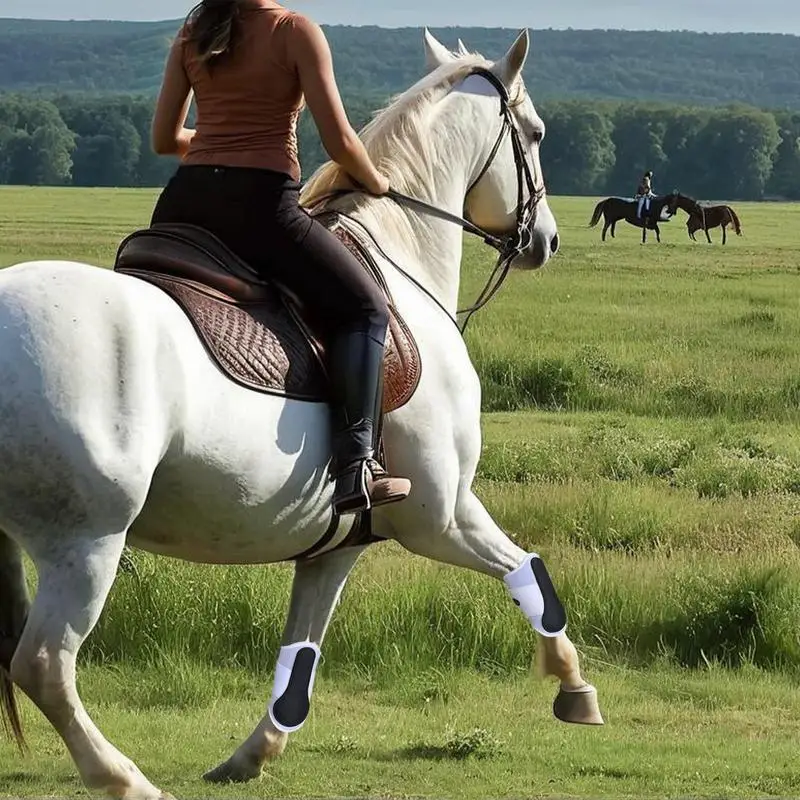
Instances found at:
x=212 y=27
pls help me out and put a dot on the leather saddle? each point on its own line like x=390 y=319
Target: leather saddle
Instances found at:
x=257 y=332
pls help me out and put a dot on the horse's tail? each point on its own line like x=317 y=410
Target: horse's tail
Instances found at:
x=14 y=605
x=598 y=210
x=737 y=226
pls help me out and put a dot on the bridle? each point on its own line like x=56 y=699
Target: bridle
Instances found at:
x=515 y=243
x=511 y=245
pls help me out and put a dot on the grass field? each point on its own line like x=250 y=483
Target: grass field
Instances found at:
x=641 y=432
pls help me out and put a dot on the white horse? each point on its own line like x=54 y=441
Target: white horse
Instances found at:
x=116 y=426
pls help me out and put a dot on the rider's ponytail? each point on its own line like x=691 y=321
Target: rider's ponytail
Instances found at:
x=212 y=28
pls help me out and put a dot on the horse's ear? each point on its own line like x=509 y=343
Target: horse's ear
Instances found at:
x=462 y=48
x=436 y=53
x=510 y=66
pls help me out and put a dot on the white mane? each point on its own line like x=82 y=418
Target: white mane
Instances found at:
x=397 y=143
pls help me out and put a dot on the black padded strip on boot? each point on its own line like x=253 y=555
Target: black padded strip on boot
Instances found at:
x=291 y=708
x=554 y=617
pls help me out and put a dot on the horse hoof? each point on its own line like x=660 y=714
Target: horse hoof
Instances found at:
x=579 y=706
x=231 y=772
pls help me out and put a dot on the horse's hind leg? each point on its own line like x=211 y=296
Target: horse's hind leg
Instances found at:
x=474 y=541
x=724 y=234
x=317 y=587
x=74 y=580
x=605 y=228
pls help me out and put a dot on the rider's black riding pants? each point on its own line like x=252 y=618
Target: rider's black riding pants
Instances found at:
x=257 y=214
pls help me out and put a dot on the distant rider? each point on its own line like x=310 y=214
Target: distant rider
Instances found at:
x=644 y=192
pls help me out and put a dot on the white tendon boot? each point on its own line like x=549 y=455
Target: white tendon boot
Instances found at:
x=294 y=680
x=532 y=590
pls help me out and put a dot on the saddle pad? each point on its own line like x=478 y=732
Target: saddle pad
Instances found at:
x=263 y=346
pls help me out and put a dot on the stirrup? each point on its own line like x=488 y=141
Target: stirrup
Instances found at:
x=364 y=485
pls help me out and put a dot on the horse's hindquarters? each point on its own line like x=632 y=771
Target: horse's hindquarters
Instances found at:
x=110 y=409
x=73 y=454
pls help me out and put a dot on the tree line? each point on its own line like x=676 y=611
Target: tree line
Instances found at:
x=591 y=148
x=665 y=66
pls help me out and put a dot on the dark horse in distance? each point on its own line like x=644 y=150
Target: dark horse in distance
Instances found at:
x=713 y=217
x=614 y=209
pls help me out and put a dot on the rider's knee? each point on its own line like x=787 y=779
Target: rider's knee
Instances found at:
x=374 y=310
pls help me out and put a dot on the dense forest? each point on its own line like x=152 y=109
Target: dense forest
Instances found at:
x=76 y=102
x=676 y=67
x=734 y=152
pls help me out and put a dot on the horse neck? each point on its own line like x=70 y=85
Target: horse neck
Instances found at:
x=428 y=248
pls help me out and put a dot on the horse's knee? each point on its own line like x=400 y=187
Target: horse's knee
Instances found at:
x=27 y=671
x=43 y=677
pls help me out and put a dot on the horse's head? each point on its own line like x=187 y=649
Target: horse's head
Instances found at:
x=688 y=204
x=673 y=202
x=506 y=189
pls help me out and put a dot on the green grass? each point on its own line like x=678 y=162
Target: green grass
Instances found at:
x=684 y=329
x=641 y=432
x=668 y=733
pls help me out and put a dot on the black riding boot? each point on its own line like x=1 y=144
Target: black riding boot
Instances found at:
x=356 y=375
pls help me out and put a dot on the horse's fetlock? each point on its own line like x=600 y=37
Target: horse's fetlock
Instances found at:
x=122 y=781
x=557 y=663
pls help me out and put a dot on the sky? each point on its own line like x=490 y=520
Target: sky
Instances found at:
x=772 y=16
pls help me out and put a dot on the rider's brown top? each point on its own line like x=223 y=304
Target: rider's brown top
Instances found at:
x=248 y=102
x=645 y=187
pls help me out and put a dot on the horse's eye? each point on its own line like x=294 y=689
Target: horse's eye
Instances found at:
x=537 y=137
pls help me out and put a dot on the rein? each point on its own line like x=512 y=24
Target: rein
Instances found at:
x=508 y=247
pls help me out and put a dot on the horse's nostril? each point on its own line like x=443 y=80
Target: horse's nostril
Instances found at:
x=554 y=243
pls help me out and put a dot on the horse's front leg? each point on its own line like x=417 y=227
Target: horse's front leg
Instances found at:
x=658 y=232
x=317 y=587
x=473 y=540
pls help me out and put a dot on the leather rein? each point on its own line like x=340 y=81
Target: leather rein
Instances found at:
x=509 y=246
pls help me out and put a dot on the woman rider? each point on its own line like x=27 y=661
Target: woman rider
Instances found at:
x=644 y=192
x=250 y=65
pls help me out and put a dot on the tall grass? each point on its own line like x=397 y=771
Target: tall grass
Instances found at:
x=590 y=380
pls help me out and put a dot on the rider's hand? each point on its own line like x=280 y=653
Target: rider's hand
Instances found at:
x=379 y=186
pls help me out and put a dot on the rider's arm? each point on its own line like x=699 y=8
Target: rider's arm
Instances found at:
x=168 y=135
x=311 y=57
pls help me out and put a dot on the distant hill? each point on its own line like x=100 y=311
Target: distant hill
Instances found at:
x=674 y=67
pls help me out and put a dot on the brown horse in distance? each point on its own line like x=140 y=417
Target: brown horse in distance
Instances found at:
x=614 y=209
x=713 y=217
